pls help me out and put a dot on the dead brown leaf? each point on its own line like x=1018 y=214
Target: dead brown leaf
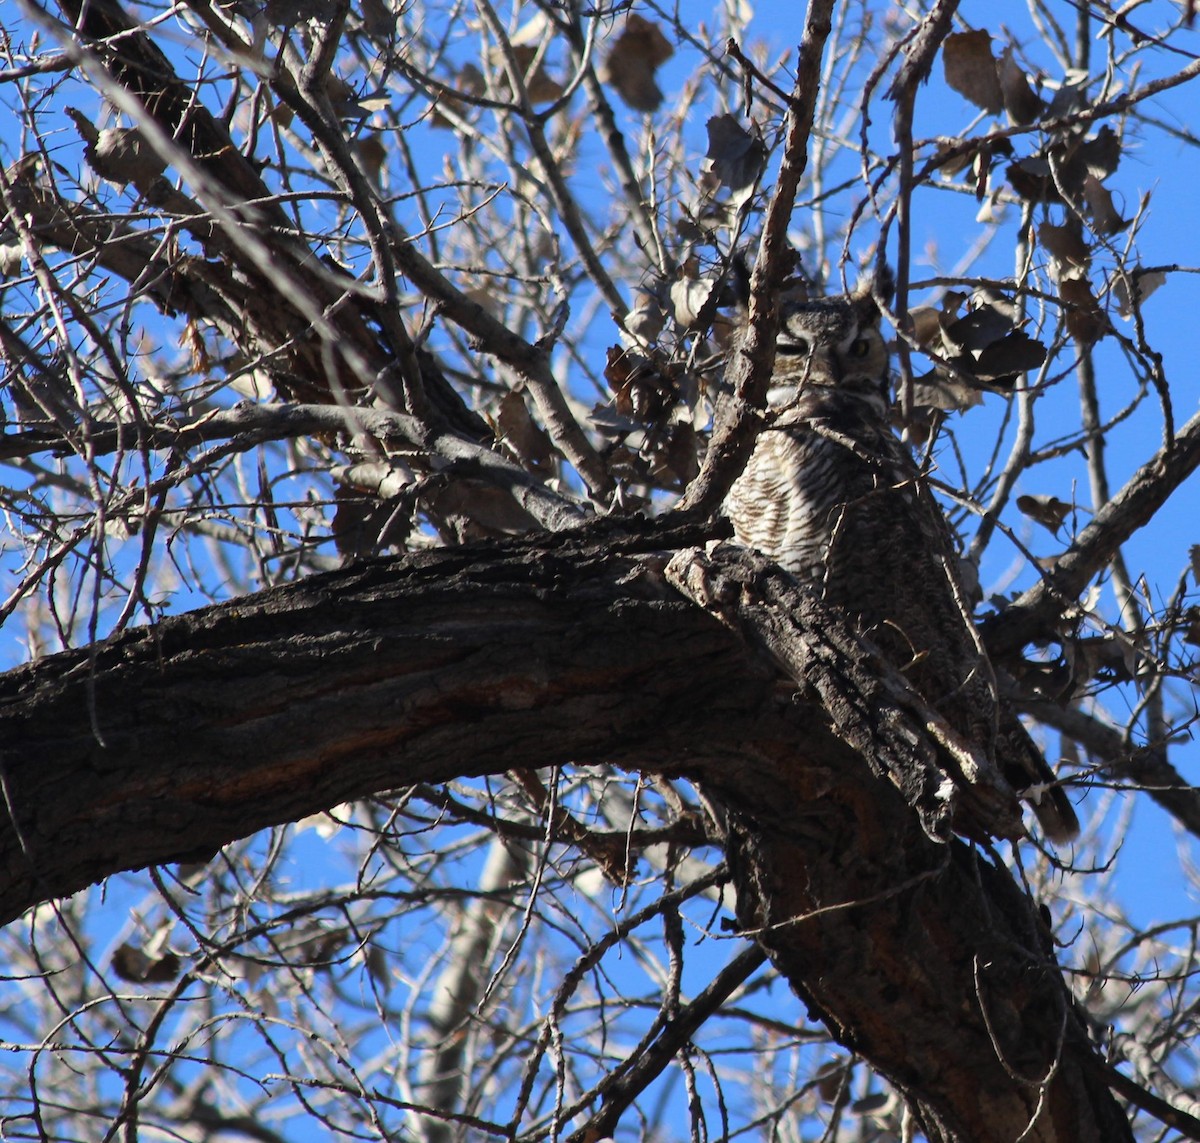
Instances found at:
x=470 y=81
x=12 y=255
x=643 y=393
x=1048 y=511
x=1192 y=634
x=999 y=363
x=970 y=69
x=955 y=160
x=646 y=319
x=521 y=434
x=1071 y=95
x=978 y=329
x=831 y=1078
x=540 y=87
x=1020 y=101
x=119 y=154
x=983 y=348
x=378 y=18
x=1100 y=155
x=371 y=153
x=1030 y=178
x=688 y=297
x=1106 y=219
x=1138 y=282
x=132 y=963
x=736 y=156
x=1066 y=248
x=939 y=389
x=1067 y=166
x=1085 y=318
x=636 y=54
x=677 y=459
x=926 y=324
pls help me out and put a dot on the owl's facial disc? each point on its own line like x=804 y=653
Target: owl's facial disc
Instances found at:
x=829 y=343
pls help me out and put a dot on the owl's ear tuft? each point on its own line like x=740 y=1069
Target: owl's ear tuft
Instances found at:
x=874 y=286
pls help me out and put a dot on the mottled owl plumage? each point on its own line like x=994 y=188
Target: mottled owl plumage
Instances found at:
x=832 y=495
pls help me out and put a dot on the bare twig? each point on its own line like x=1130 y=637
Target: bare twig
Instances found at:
x=751 y=362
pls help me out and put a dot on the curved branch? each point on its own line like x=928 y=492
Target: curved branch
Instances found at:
x=247 y=425
x=672 y=1039
x=1147 y=768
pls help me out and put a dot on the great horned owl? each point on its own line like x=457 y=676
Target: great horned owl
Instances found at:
x=832 y=495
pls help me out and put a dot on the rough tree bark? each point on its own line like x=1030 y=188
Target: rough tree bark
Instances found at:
x=921 y=955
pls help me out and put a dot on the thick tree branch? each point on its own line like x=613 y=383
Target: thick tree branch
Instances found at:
x=944 y=778
x=141 y=68
x=920 y=955
x=220 y=722
x=1038 y=613
x=826 y=874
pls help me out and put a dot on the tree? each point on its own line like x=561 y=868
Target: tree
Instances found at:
x=374 y=374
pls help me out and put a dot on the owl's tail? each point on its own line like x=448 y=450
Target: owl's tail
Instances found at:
x=1054 y=812
x=1030 y=775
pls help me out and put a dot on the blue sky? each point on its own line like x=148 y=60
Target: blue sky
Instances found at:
x=1151 y=885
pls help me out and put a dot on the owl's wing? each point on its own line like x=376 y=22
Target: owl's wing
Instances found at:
x=839 y=503
x=898 y=563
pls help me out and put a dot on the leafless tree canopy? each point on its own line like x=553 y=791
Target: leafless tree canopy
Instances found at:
x=392 y=748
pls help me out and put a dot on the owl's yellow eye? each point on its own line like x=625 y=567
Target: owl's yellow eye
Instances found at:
x=860 y=347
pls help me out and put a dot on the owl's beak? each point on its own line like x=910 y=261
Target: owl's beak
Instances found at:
x=821 y=364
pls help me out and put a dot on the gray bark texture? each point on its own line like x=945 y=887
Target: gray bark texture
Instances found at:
x=917 y=951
